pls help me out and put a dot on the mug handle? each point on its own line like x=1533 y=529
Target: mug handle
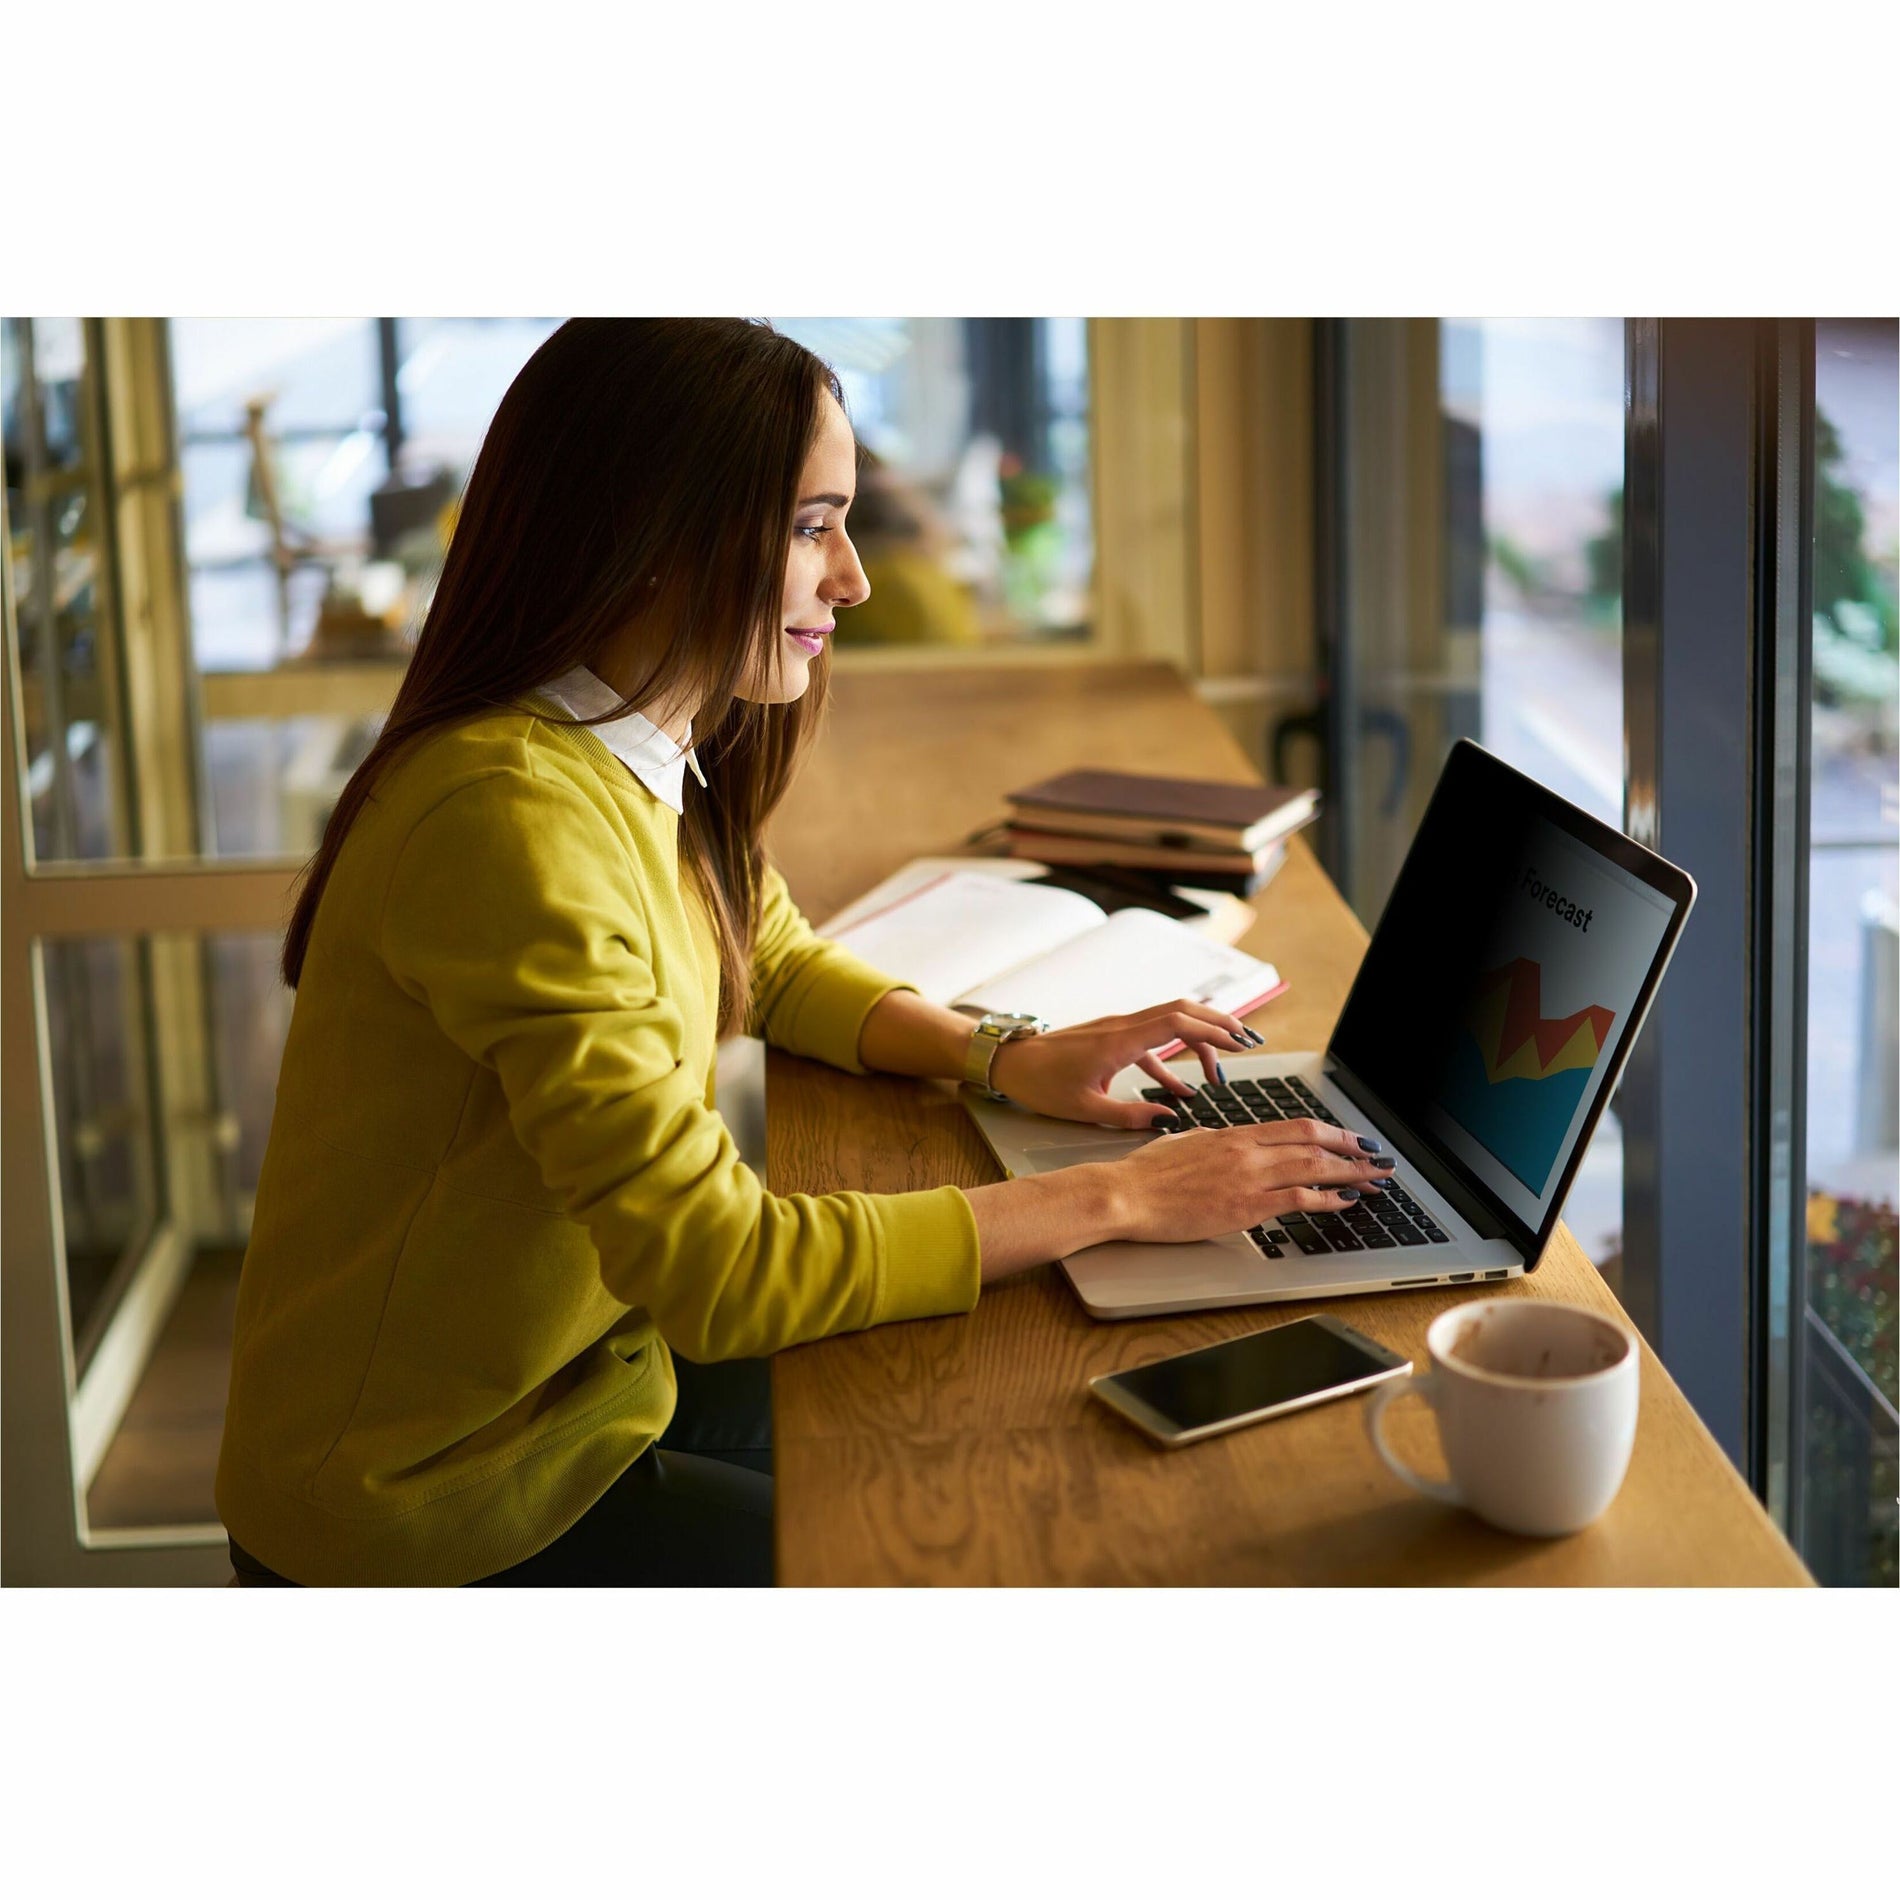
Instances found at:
x=1425 y=1384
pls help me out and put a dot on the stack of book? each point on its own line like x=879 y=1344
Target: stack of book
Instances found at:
x=1199 y=832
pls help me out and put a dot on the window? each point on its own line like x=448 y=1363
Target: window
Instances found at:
x=321 y=462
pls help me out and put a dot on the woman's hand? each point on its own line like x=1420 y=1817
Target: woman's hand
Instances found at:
x=1221 y=1180
x=1066 y=1072
x=1178 y=1187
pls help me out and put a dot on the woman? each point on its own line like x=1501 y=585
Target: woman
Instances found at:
x=499 y=1212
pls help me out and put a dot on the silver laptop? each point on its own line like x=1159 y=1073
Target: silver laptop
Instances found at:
x=1497 y=1003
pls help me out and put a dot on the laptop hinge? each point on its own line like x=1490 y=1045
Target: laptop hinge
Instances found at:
x=1482 y=1215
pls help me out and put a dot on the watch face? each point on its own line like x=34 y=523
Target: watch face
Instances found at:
x=1003 y=1020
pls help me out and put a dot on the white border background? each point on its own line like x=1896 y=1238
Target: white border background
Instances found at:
x=200 y=159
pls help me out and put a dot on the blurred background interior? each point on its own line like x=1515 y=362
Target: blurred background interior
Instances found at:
x=221 y=535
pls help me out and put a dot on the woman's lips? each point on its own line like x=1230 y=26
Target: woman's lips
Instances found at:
x=809 y=639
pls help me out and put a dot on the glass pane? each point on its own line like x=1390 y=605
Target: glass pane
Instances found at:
x=248 y=1011
x=1548 y=423
x=60 y=563
x=1847 y=1448
x=455 y=371
x=161 y=1135
x=317 y=372
x=274 y=782
x=973 y=516
x=104 y=1135
x=1485 y=458
x=281 y=445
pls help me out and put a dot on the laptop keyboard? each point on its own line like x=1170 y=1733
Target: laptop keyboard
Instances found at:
x=1374 y=1224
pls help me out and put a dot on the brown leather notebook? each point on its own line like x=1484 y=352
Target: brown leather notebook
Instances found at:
x=1248 y=814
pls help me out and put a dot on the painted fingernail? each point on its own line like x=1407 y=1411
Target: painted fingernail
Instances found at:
x=1166 y=1123
x=1369 y=1145
x=1255 y=1037
x=1347 y=1194
x=1222 y=1073
x=1385 y=1161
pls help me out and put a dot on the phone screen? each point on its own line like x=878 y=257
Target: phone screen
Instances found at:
x=1248 y=1375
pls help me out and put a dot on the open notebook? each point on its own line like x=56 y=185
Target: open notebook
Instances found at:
x=977 y=941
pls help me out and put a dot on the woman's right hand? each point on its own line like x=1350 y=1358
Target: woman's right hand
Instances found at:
x=1181 y=1187
x=1220 y=1180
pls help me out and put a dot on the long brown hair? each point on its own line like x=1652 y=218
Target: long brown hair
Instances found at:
x=639 y=474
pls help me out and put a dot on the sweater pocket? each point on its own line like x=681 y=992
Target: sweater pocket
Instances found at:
x=497 y=1343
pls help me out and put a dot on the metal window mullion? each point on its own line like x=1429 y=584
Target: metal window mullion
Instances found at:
x=1715 y=691
x=1332 y=602
x=1784 y=675
x=1687 y=595
x=389 y=368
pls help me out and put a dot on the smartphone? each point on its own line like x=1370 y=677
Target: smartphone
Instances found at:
x=1241 y=1381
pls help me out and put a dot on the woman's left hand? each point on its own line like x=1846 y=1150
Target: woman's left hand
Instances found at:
x=1066 y=1072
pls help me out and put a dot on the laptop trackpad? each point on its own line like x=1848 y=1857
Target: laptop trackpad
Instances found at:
x=1109 y=1145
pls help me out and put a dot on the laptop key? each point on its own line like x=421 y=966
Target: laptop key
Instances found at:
x=1406 y=1236
x=1376 y=1241
x=1433 y=1234
x=1303 y=1235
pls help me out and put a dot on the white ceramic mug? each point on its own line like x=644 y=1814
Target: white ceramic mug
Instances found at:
x=1536 y=1408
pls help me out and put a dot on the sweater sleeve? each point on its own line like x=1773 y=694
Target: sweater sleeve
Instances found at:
x=513 y=915
x=809 y=997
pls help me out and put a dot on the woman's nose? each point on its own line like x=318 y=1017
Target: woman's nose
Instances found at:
x=847 y=586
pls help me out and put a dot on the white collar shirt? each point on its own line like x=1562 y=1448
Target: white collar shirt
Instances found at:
x=657 y=760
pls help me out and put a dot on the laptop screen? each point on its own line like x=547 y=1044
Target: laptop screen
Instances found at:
x=1519 y=947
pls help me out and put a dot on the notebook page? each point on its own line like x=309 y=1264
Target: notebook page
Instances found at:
x=921 y=871
x=1133 y=960
x=963 y=928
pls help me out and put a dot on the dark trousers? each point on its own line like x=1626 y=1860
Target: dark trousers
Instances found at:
x=693 y=1510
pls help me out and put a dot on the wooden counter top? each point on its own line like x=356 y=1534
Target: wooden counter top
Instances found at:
x=967 y=1450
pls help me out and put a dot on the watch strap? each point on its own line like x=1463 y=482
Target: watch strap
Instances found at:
x=991 y=1033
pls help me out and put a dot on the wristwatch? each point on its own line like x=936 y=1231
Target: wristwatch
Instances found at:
x=992 y=1031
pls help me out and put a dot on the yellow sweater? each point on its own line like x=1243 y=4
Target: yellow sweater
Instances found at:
x=497 y=1190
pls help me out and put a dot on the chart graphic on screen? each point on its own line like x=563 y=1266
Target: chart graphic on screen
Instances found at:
x=1517 y=1075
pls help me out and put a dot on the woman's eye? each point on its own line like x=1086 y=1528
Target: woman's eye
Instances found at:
x=813 y=532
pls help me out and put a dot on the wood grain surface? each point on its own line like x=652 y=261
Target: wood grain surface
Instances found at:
x=967 y=1450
